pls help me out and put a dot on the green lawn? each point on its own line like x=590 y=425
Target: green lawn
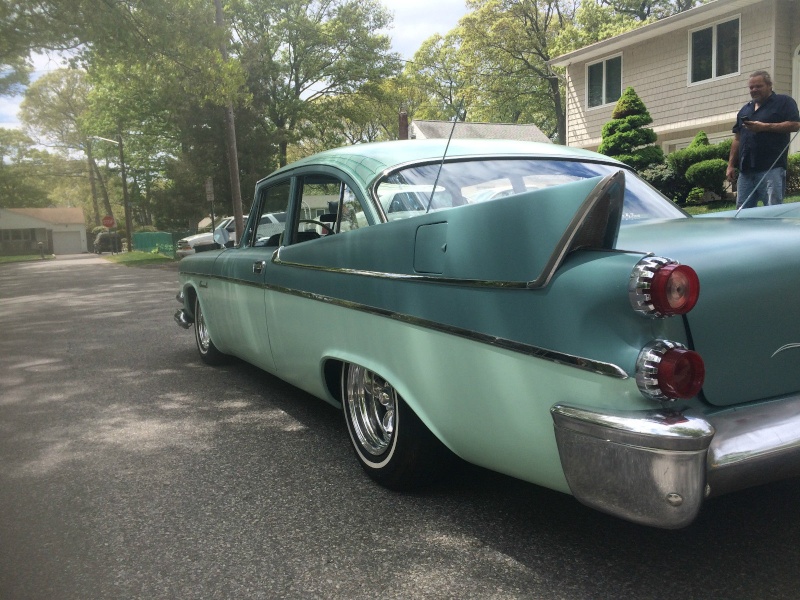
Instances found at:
x=720 y=206
x=136 y=259
x=26 y=258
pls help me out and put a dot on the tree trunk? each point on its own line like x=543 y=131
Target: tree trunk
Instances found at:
x=92 y=184
x=103 y=188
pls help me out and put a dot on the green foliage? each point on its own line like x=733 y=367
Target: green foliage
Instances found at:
x=681 y=160
x=696 y=196
x=708 y=175
x=626 y=136
x=793 y=174
x=699 y=164
x=701 y=139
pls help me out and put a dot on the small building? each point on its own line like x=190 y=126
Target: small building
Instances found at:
x=60 y=231
x=423 y=130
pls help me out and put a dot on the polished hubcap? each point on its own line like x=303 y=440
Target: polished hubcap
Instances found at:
x=202 y=331
x=372 y=406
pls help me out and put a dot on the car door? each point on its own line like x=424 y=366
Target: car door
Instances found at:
x=242 y=272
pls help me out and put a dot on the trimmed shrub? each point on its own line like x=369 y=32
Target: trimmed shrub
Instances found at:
x=793 y=174
x=696 y=196
x=626 y=136
x=666 y=181
x=708 y=175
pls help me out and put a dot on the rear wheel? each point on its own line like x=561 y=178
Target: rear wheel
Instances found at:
x=208 y=351
x=392 y=444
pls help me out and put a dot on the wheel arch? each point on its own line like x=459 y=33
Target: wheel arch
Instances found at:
x=333 y=365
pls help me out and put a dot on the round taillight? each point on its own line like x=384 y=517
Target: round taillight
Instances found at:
x=660 y=287
x=681 y=373
x=675 y=289
x=669 y=371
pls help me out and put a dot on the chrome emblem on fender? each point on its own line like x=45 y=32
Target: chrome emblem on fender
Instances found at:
x=786 y=347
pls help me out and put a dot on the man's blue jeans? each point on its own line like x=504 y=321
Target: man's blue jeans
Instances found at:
x=766 y=186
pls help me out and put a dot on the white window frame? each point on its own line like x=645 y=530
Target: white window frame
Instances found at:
x=604 y=60
x=713 y=26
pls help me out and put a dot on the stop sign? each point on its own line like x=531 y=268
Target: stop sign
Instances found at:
x=108 y=221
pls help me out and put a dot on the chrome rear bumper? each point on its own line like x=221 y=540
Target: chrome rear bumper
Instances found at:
x=656 y=467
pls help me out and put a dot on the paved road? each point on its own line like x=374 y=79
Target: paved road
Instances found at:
x=128 y=470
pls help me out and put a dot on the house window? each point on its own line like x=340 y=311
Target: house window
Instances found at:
x=714 y=51
x=604 y=81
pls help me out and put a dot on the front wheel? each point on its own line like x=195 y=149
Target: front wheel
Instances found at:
x=392 y=444
x=208 y=351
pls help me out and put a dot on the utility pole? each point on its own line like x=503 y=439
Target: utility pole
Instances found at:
x=230 y=138
x=125 y=199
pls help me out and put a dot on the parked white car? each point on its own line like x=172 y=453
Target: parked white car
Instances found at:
x=185 y=246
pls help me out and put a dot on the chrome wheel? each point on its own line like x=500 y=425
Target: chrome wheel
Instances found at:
x=371 y=403
x=203 y=339
x=205 y=346
x=393 y=445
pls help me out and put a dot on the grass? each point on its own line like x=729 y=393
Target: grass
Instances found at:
x=138 y=259
x=712 y=207
x=26 y=258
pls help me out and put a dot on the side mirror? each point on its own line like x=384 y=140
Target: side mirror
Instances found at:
x=221 y=237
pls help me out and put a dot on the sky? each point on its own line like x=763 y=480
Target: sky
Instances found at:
x=414 y=22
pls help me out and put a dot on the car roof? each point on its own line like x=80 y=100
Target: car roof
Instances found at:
x=364 y=161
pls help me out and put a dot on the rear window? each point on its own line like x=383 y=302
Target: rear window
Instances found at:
x=410 y=191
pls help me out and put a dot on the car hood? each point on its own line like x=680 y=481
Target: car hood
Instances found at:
x=199 y=238
x=746 y=324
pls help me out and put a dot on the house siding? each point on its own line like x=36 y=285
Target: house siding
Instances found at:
x=658 y=70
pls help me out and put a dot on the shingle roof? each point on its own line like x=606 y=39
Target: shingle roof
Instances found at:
x=500 y=131
x=59 y=216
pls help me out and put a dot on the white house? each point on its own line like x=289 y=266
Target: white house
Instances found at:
x=690 y=70
x=60 y=230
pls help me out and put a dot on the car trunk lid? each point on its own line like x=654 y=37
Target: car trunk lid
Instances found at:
x=746 y=324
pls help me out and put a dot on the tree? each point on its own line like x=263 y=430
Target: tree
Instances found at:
x=297 y=52
x=438 y=77
x=516 y=39
x=645 y=10
x=21 y=170
x=626 y=136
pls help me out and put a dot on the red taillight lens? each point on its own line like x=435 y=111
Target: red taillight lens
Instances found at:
x=674 y=290
x=660 y=287
x=681 y=373
x=667 y=370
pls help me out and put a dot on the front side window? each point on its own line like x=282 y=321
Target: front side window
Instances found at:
x=604 y=81
x=714 y=51
x=271 y=223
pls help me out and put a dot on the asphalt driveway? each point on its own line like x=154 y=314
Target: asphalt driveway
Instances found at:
x=130 y=470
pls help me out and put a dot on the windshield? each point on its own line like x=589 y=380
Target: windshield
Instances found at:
x=408 y=192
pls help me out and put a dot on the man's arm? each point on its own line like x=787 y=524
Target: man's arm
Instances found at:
x=784 y=127
x=733 y=159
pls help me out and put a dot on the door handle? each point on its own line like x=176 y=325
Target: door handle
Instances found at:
x=258 y=266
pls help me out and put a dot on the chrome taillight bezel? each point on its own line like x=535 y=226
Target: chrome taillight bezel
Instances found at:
x=648 y=365
x=641 y=283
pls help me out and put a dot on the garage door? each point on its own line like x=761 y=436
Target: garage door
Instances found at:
x=67 y=242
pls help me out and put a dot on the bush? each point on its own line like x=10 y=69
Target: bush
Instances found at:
x=793 y=174
x=626 y=137
x=696 y=196
x=709 y=175
x=666 y=180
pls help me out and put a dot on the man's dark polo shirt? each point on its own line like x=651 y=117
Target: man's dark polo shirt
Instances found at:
x=757 y=151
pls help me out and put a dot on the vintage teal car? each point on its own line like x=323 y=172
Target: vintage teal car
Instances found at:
x=533 y=309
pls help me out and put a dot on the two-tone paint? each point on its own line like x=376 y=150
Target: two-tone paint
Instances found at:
x=508 y=328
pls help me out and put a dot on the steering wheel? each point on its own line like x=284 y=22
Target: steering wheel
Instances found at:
x=320 y=223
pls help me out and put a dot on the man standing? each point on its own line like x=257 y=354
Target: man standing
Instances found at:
x=761 y=143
